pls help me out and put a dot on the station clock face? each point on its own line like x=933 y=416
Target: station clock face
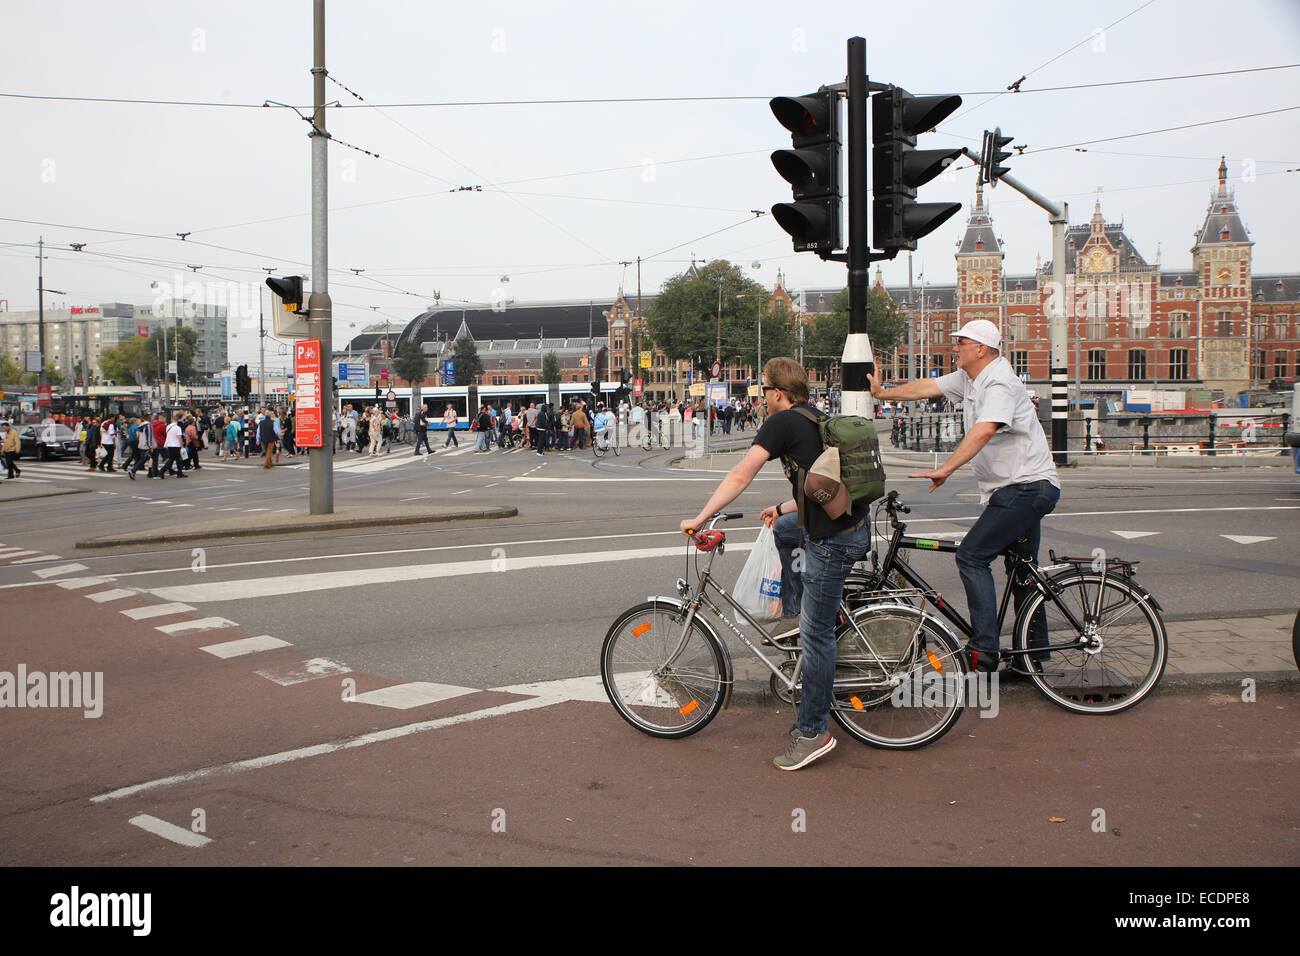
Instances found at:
x=1223 y=276
x=1097 y=261
x=979 y=282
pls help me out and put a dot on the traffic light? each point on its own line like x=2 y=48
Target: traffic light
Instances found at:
x=243 y=384
x=898 y=167
x=289 y=289
x=812 y=168
x=992 y=155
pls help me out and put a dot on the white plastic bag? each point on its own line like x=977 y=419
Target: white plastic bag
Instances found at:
x=758 y=589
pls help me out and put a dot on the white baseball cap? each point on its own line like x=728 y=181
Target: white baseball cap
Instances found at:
x=982 y=331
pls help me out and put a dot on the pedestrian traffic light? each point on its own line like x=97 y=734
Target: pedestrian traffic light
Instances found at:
x=243 y=384
x=812 y=168
x=378 y=393
x=992 y=155
x=289 y=289
x=898 y=167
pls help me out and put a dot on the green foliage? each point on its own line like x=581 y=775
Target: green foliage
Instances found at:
x=137 y=353
x=468 y=365
x=683 y=320
x=824 y=342
x=550 y=368
x=10 y=371
x=409 y=362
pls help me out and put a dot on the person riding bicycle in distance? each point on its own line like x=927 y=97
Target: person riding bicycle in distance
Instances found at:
x=1009 y=456
x=831 y=547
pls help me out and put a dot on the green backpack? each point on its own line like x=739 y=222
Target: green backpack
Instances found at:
x=861 y=469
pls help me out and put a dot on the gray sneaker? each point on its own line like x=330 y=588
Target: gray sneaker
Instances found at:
x=803 y=750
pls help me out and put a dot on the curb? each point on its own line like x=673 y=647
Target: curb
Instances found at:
x=751 y=693
x=296 y=527
x=51 y=493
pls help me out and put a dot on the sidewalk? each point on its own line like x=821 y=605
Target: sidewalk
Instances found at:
x=1203 y=655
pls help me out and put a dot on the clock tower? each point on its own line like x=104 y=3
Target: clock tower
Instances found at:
x=1221 y=259
x=979 y=268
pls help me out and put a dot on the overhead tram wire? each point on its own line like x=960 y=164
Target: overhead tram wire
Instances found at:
x=1016 y=85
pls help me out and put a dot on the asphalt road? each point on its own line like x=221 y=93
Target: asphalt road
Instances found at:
x=480 y=608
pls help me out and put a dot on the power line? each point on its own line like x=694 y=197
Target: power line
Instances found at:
x=1016 y=84
x=1152 y=79
x=1152 y=132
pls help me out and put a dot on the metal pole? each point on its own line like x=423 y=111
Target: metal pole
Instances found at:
x=858 y=361
x=319 y=307
x=40 y=306
x=261 y=349
x=1059 y=363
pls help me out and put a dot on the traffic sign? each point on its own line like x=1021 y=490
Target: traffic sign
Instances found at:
x=637 y=384
x=715 y=369
x=308 y=397
x=392 y=396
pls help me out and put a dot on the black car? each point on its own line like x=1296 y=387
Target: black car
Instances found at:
x=48 y=441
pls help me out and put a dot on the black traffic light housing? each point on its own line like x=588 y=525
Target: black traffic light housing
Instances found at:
x=289 y=289
x=812 y=168
x=992 y=156
x=243 y=384
x=899 y=168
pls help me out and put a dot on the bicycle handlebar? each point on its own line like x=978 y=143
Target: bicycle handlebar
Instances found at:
x=720 y=516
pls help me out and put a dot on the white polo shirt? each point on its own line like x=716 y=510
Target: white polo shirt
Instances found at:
x=1017 y=453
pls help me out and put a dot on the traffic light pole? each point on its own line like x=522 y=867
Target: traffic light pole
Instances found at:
x=858 y=361
x=319 y=307
x=1059 y=216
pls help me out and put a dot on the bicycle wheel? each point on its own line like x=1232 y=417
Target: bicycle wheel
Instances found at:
x=904 y=687
x=597 y=449
x=1129 y=644
x=662 y=681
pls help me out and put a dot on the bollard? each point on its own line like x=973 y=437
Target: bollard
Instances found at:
x=1146 y=435
x=1211 y=444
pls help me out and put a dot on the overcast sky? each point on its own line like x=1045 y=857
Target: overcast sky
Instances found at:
x=660 y=180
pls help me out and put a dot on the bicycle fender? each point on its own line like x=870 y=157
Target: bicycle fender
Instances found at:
x=728 y=672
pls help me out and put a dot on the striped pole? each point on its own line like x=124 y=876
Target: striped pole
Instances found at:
x=858 y=362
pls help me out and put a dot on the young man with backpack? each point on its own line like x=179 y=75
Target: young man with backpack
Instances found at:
x=838 y=535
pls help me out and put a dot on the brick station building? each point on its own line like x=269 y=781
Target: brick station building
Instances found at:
x=1130 y=322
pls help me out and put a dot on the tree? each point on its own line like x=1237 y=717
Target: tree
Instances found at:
x=683 y=319
x=550 y=368
x=409 y=362
x=468 y=365
x=53 y=376
x=824 y=341
x=10 y=371
x=145 y=355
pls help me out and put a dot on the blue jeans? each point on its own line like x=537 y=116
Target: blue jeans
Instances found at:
x=826 y=564
x=1012 y=511
x=789 y=539
x=451 y=438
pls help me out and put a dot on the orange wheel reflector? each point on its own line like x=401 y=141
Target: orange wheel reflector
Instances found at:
x=934 y=661
x=640 y=629
x=689 y=707
x=857 y=703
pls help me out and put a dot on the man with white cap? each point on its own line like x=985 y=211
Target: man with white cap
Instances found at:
x=1009 y=455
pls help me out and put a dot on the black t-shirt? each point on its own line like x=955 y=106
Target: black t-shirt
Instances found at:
x=791 y=435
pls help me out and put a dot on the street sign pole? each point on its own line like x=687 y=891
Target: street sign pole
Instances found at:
x=858 y=362
x=319 y=307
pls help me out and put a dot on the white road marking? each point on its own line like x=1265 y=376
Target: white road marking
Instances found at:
x=16 y=554
x=1129 y=535
x=116 y=594
x=61 y=569
x=359 y=577
x=249 y=645
x=463 y=491
x=181 y=505
x=318 y=750
x=156 y=610
x=43 y=558
x=569 y=688
x=201 y=624
x=304 y=671
x=716 y=479
x=414 y=694
x=1248 y=538
x=169 y=831
x=76 y=584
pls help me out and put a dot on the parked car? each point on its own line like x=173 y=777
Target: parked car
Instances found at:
x=48 y=441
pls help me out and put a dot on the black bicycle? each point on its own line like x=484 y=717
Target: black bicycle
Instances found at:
x=1086 y=634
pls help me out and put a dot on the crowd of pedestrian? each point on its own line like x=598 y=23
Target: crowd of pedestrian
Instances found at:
x=170 y=443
